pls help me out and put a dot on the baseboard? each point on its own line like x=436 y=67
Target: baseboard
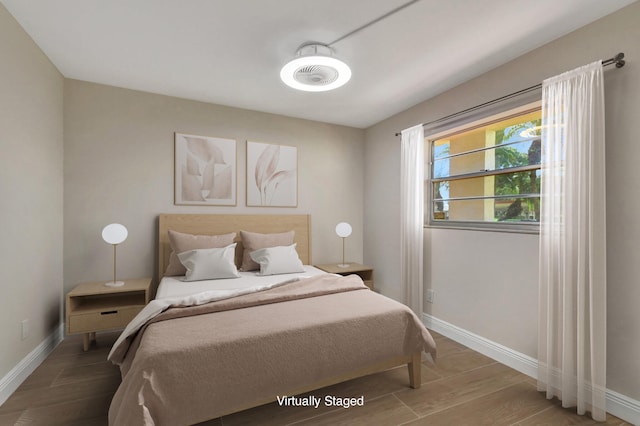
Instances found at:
x=516 y=360
x=623 y=407
x=18 y=374
x=619 y=405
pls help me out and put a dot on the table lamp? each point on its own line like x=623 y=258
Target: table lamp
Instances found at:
x=343 y=229
x=115 y=234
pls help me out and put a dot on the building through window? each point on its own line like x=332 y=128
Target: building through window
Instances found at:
x=487 y=174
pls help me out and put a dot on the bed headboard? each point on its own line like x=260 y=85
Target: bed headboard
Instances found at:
x=216 y=224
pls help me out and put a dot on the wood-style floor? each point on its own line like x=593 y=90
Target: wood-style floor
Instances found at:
x=73 y=387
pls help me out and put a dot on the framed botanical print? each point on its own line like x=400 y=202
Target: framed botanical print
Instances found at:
x=272 y=175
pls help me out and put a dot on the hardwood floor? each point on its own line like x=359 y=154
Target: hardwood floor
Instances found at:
x=73 y=387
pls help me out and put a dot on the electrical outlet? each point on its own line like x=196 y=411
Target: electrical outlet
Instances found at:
x=25 y=329
x=430 y=295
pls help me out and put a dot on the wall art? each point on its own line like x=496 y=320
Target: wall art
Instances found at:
x=205 y=170
x=272 y=175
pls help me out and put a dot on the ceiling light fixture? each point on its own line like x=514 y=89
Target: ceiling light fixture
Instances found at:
x=315 y=69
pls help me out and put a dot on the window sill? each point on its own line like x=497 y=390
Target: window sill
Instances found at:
x=533 y=229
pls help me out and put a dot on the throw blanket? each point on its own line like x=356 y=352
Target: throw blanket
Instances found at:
x=186 y=365
x=203 y=303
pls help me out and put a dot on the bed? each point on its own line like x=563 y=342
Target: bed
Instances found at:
x=193 y=362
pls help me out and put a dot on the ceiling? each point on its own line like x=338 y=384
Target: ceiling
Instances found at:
x=230 y=52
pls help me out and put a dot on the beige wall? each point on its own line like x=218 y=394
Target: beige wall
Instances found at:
x=485 y=295
x=118 y=167
x=31 y=143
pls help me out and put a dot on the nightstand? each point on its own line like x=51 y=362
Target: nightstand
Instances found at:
x=93 y=307
x=364 y=272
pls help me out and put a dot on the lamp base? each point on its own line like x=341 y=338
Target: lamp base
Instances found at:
x=114 y=283
x=343 y=265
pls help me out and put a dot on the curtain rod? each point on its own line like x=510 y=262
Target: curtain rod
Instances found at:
x=618 y=60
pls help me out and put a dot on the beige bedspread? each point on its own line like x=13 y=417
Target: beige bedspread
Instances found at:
x=192 y=364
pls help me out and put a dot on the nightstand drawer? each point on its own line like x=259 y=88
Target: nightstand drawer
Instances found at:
x=106 y=320
x=95 y=307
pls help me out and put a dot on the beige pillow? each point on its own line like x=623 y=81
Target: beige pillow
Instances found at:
x=252 y=241
x=183 y=242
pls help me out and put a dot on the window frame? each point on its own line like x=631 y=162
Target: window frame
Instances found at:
x=460 y=126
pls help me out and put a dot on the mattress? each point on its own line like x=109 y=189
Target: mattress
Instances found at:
x=174 y=286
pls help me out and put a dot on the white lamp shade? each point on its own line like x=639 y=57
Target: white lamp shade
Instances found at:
x=114 y=233
x=343 y=229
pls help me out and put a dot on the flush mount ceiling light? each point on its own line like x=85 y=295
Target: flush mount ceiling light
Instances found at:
x=315 y=69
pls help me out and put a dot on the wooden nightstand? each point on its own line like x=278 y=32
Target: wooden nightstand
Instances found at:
x=95 y=307
x=365 y=272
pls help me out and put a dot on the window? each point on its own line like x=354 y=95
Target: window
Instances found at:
x=487 y=174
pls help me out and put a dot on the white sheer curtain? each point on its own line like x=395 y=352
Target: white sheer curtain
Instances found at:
x=412 y=216
x=572 y=303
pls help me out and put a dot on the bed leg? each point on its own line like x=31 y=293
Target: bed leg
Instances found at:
x=415 y=368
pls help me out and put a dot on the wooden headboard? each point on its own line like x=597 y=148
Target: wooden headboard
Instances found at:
x=216 y=224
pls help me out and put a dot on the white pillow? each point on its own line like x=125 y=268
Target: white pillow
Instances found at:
x=209 y=264
x=278 y=260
